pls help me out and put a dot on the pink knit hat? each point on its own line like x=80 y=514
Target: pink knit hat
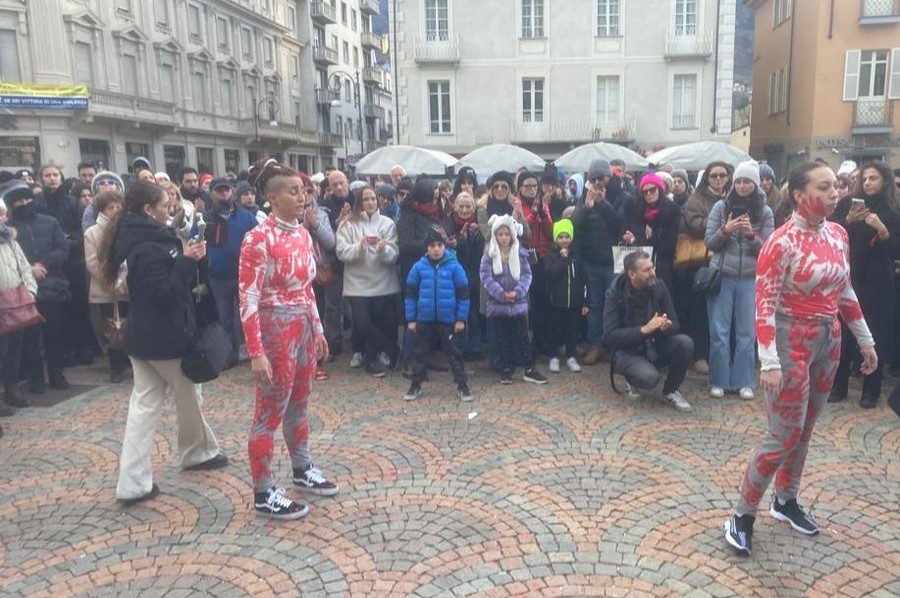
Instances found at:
x=651 y=178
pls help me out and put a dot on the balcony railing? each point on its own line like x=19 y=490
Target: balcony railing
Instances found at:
x=369 y=7
x=322 y=12
x=573 y=131
x=373 y=75
x=873 y=116
x=879 y=12
x=324 y=97
x=324 y=54
x=683 y=121
x=688 y=43
x=330 y=139
x=373 y=111
x=103 y=99
x=438 y=47
x=370 y=40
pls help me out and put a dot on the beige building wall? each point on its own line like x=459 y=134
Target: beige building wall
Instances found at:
x=813 y=120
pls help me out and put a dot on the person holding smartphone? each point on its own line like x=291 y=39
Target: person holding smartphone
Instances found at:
x=735 y=231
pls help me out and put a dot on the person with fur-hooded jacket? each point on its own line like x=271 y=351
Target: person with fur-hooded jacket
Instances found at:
x=506 y=277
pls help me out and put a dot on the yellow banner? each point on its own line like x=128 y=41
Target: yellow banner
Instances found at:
x=43 y=90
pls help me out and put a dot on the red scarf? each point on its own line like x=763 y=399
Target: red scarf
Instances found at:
x=650 y=214
x=432 y=210
x=459 y=223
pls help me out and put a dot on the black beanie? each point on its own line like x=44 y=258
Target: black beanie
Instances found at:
x=434 y=236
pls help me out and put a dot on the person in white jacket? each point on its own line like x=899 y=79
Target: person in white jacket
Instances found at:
x=367 y=245
x=15 y=271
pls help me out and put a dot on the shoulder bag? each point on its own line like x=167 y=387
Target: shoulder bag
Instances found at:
x=17 y=306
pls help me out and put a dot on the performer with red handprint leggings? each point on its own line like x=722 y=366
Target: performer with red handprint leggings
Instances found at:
x=284 y=339
x=802 y=284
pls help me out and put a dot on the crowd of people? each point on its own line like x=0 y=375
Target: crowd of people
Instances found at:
x=647 y=271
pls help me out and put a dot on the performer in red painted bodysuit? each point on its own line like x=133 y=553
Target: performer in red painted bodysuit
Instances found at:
x=284 y=339
x=802 y=283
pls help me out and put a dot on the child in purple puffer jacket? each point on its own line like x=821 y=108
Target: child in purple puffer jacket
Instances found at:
x=506 y=276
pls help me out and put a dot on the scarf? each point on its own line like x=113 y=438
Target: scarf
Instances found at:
x=5 y=234
x=495 y=207
x=432 y=210
x=650 y=214
x=459 y=223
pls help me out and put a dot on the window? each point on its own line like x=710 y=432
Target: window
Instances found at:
x=348 y=90
x=129 y=74
x=247 y=43
x=9 y=56
x=532 y=18
x=198 y=81
x=355 y=57
x=295 y=66
x=685 y=17
x=781 y=11
x=872 y=73
x=161 y=11
x=205 y=159
x=684 y=94
x=84 y=63
x=437 y=20
x=228 y=93
x=167 y=76
x=439 y=106
x=123 y=6
x=607 y=18
x=290 y=17
x=532 y=100
x=269 y=50
x=344 y=13
x=194 y=29
x=346 y=48
x=296 y=107
x=778 y=91
x=222 y=33
x=607 y=103
x=353 y=22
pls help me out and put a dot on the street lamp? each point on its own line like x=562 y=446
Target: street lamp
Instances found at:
x=336 y=103
x=273 y=113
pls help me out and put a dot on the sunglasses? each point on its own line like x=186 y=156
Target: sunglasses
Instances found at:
x=719 y=175
x=500 y=186
x=530 y=186
x=650 y=191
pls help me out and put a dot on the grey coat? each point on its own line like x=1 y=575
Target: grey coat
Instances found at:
x=740 y=251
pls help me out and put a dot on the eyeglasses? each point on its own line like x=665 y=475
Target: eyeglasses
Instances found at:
x=719 y=175
x=650 y=191
x=500 y=186
x=530 y=186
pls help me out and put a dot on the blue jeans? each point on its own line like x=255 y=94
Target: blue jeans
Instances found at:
x=736 y=303
x=598 y=280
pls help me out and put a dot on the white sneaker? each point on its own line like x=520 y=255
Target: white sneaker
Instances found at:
x=717 y=392
x=384 y=359
x=631 y=393
x=554 y=365
x=573 y=365
x=676 y=400
x=746 y=393
x=356 y=361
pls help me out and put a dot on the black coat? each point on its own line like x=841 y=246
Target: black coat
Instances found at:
x=412 y=229
x=161 y=319
x=872 y=269
x=622 y=324
x=664 y=237
x=469 y=251
x=566 y=284
x=43 y=242
x=597 y=229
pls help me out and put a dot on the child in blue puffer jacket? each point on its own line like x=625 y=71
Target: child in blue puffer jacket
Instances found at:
x=437 y=304
x=506 y=277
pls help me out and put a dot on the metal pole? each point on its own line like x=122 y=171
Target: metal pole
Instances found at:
x=362 y=128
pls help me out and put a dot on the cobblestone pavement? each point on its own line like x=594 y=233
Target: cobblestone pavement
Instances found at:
x=560 y=490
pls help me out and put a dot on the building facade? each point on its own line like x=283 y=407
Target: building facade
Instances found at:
x=210 y=84
x=826 y=81
x=552 y=74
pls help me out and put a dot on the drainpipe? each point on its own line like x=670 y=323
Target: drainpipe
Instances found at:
x=831 y=21
x=396 y=82
x=714 y=126
x=790 y=77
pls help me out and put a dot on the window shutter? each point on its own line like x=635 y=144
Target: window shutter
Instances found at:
x=851 y=76
x=894 y=85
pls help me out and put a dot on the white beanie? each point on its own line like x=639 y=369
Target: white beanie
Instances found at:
x=847 y=166
x=747 y=170
x=515 y=268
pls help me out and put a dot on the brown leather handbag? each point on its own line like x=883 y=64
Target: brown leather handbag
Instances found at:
x=690 y=252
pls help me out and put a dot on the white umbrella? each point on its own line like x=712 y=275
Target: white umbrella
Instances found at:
x=500 y=156
x=580 y=158
x=415 y=160
x=696 y=156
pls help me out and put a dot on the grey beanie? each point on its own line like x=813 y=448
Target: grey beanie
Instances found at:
x=599 y=168
x=766 y=171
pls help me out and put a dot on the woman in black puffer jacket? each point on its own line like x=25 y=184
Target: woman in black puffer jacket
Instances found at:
x=162 y=270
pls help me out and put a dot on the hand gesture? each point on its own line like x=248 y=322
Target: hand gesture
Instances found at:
x=628 y=237
x=564 y=252
x=870 y=360
x=517 y=209
x=656 y=323
x=771 y=381
x=411 y=326
x=321 y=346
x=733 y=224
x=648 y=232
x=858 y=213
x=875 y=222
x=262 y=370
x=39 y=271
x=510 y=296
x=451 y=242
x=380 y=245
x=309 y=218
x=459 y=327
x=194 y=250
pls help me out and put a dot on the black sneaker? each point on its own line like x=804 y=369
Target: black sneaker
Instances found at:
x=837 y=396
x=376 y=370
x=463 y=392
x=58 y=380
x=311 y=480
x=217 y=462
x=415 y=389
x=506 y=378
x=36 y=386
x=130 y=502
x=275 y=505
x=739 y=533
x=868 y=401
x=793 y=514
x=534 y=376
